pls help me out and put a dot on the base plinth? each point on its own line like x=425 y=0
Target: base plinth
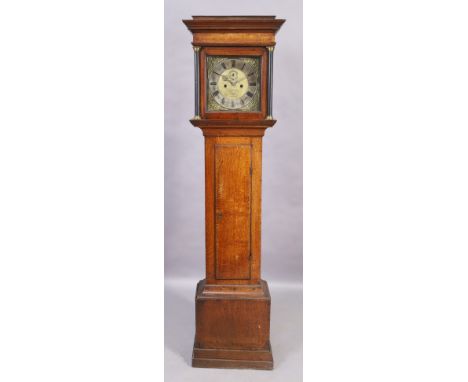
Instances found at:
x=233 y=359
x=232 y=326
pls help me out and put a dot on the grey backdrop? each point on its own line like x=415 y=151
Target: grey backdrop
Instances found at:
x=282 y=145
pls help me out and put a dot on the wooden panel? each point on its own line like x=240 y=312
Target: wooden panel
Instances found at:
x=233 y=128
x=210 y=208
x=233 y=189
x=230 y=132
x=256 y=207
x=254 y=355
x=243 y=39
x=211 y=142
x=232 y=322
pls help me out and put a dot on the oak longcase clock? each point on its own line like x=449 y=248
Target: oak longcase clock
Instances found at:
x=233 y=108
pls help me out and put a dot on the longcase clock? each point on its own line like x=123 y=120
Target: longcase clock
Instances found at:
x=233 y=108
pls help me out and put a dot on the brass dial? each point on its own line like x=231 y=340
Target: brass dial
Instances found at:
x=233 y=83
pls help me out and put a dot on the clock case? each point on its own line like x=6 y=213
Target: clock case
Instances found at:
x=232 y=303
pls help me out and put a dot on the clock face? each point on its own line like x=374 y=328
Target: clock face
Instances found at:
x=233 y=84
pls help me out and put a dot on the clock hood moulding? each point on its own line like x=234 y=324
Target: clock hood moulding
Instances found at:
x=245 y=23
x=234 y=30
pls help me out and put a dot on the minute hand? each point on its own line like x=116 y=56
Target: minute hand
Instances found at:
x=240 y=79
x=226 y=78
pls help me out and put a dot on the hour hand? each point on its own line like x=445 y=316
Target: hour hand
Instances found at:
x=231 y=81
x=238 y=80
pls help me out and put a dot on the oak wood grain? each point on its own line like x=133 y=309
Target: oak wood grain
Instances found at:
x=234 y=39
x=232 y=303
x=233 y=194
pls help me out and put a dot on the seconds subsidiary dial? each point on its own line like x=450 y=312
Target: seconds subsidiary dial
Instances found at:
x=233 y=83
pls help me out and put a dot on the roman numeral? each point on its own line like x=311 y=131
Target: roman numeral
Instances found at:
x=222 y=101
x=215 y=93
x=232 y=103
x=251 y=74
x=223 y=65
x=249 y=94
x=243 y=66
x=233 y=63
x=252 y=84
x=212 y=83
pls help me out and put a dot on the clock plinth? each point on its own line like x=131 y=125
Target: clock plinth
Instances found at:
x=232 y=326
x=233 y=108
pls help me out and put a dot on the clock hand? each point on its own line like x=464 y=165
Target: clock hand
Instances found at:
x=226 y=78
x=240 y=79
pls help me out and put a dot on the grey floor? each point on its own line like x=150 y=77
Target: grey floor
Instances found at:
x=286 y=336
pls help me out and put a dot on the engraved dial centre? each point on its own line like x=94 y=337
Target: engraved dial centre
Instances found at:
x=233 y=84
